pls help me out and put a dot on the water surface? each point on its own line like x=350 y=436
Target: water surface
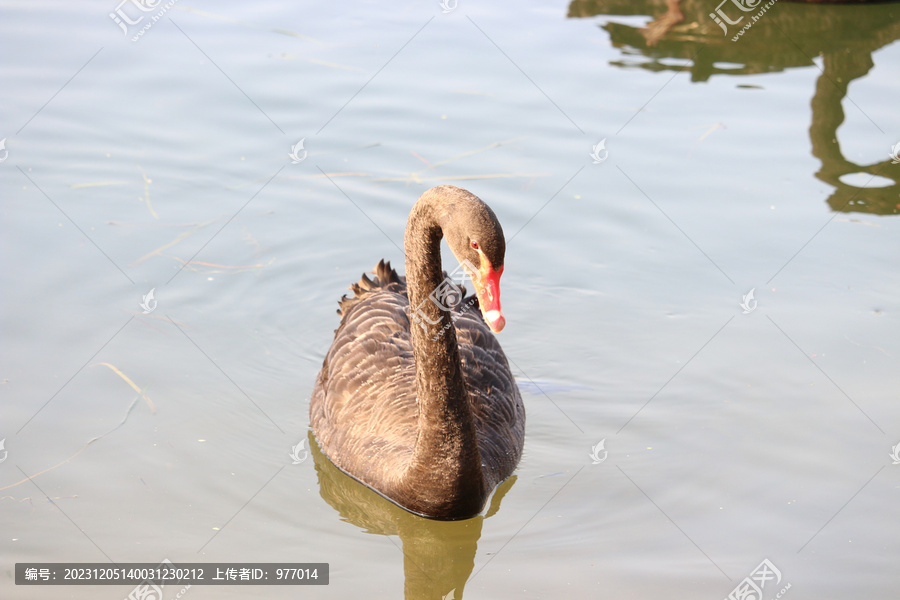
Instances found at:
x=729 y=435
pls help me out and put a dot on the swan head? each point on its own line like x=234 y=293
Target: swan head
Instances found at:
x=476 y=239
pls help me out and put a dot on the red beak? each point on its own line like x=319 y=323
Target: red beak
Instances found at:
x=487 y=288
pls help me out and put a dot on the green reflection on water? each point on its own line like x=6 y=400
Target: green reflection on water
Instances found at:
x=785 y=36
x=438 y=556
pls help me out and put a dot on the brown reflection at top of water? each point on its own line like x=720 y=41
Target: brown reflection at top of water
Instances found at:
x=438 y=556
x=785 y=36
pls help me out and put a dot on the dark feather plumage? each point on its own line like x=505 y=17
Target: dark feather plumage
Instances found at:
x=365 y=413
x=368 y=425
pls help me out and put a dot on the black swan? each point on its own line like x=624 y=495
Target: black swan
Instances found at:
x=414 y=400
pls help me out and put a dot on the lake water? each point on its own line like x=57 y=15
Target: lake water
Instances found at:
x=680 y=432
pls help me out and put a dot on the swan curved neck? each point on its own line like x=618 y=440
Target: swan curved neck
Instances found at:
x=446 y=464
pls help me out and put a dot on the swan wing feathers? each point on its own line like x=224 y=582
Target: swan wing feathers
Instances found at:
x=496 y=403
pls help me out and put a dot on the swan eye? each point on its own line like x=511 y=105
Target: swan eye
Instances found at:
x=474 y=245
